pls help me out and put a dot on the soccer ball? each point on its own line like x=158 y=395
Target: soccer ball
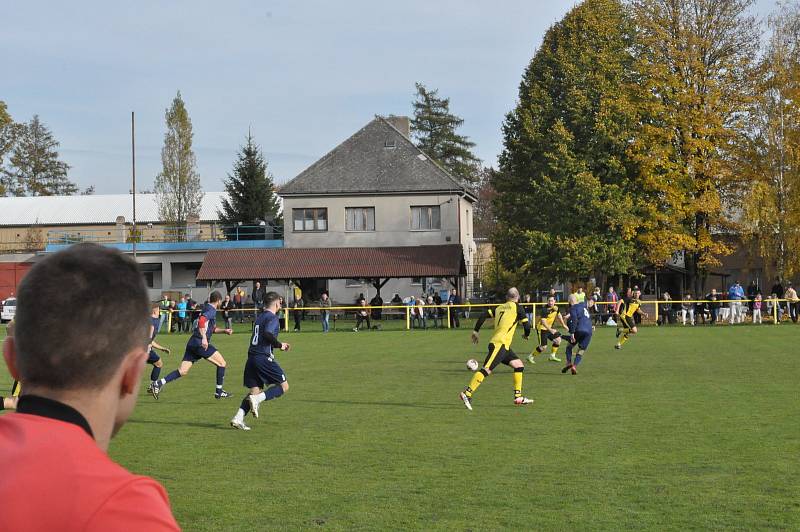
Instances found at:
x=472 y=364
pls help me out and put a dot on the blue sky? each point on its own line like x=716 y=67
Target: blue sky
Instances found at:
x=303 y=75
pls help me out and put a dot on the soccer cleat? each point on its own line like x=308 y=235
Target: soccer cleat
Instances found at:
x=566 y=368
x=522 y=401
x=154 y=390
x=239 y=425
x=531 y=359
x=467 y=401
x=554 y=358
x=573 y=370
x=355 y=329
x=222 y=394
x=618 y=346
x=253 y=406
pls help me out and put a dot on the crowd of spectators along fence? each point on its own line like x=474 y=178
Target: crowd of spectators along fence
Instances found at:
x=429 y=312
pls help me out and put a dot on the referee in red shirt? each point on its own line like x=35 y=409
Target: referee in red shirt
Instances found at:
x=80 y=356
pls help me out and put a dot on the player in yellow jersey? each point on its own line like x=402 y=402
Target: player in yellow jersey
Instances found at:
x=626 y=310
x=546 y=331
x=506 y=317
x=10 y=403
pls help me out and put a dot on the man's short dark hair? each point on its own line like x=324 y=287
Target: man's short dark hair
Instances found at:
x=214 y=297
x=70 y=334
x=270 y=298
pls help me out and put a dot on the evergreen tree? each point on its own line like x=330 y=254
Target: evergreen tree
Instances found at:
x=178 y=184
x=566 y=183
x=35 y=167
x=693 y=62
x=8 y=132
x=434 y=128
x=251 y=192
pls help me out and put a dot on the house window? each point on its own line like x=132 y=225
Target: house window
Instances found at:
x=310 y=219
x=426 y=218
x=353 y=282
x=416 y=280
x=359 y=218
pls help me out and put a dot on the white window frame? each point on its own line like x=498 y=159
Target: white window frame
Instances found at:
x=359 y=211
x=430 y=216
x=316 y=219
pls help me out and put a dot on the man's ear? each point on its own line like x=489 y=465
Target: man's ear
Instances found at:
x=132 y=368
x=10 y=354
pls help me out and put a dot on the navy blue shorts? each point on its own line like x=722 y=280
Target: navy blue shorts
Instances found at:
x=582 y=339
x=152 y=358
x=194 y=353
x=261 y=370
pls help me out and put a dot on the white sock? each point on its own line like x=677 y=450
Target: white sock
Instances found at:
x=259 y=397
x=239 y=417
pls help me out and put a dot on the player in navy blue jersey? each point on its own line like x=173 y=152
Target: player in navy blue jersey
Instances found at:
x=199 y=346
x=262 y=371
x=152 y=357
x=580 y=332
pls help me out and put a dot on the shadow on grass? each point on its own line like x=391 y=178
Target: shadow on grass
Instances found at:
x=218 y=426
x=455 y=406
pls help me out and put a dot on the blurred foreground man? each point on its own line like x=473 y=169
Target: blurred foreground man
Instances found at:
x=81 y=357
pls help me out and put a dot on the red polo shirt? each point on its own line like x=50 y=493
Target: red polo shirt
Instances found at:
x=54 y=477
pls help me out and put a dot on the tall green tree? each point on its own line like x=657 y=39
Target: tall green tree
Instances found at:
x=434 y=128
x=178 y=184
x=8 y=133
x=694 y=77
x=564 y=199
x=251 y=190
x=769 y=161
x=35 y=167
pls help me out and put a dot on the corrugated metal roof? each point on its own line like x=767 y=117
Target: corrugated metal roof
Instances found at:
x=94 y=209
x=333 y=263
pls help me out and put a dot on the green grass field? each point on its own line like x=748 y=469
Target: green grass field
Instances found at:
x=686 y=428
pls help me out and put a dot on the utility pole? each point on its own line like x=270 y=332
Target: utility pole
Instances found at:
x=133 y=172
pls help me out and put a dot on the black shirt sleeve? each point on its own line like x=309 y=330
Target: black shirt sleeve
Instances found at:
x=486 y=314
x=523 y=319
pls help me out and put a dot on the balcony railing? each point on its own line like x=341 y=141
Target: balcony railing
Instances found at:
x=167 y=234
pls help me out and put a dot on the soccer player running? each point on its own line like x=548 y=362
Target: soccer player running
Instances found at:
x=152 y=357
x=261 y=369
x=627 y=307
x=546 y=331
x=506 y=317
x=580 y=332
x=199 y=346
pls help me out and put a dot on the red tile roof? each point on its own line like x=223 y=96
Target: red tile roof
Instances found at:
x=333 y=263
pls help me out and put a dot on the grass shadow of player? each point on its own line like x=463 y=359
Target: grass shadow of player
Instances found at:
x=185 y=423
x=386 y=403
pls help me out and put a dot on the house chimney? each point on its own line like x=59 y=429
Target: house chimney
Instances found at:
x=401 y=123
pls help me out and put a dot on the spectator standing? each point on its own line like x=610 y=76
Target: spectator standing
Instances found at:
x=752 y=290
x=757 y=303
x=396 y=300
x=377 y=312
x=528 y=307
x=226 y=307
x=713 y=305
x=454 y=299
x=611 y=298
x=792 y=301
x=687 y=309
x=597 y=313
x=665 y=310
x=81 y=378
x=297 y=313
x=258 y=297
x=777 y=288
x=432 y=313
x=552 y=293
x=776 y=314
x=238 y=302
x=164 y=311
x=580 y=295
x=325 y=313
x=736 y=295
x=181 y=307
x=362 y=315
